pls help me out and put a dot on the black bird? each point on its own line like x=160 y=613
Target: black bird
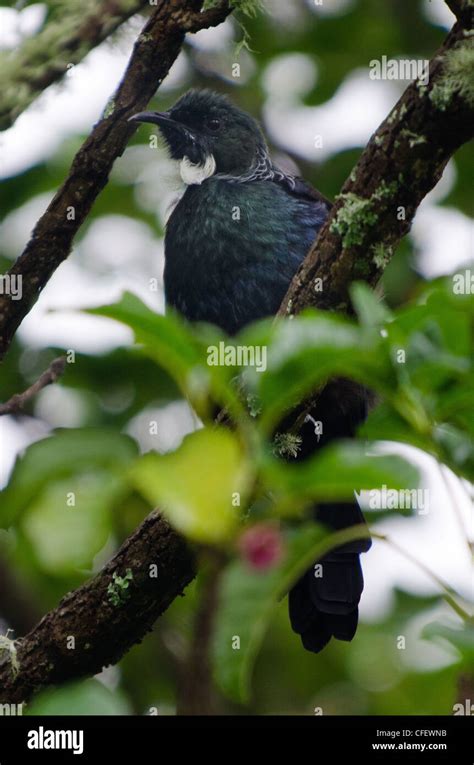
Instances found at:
x=233 y=244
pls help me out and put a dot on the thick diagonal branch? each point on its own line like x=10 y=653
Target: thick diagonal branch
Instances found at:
x=96 y=624
x=402 y=162
x=154 y=52
x=44 y=59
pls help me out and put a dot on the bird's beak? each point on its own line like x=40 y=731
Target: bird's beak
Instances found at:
x=180 y=139
x=170 y=127
x=156 y=118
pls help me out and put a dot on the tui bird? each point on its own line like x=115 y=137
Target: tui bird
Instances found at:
x=233 y=244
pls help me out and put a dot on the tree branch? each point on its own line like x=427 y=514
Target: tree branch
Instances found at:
x=154 y=52
x=45 y=58
x=16 y=403
x=402 y=162
x=104 y=627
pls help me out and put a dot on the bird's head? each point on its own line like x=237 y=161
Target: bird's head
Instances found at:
x=209 y=134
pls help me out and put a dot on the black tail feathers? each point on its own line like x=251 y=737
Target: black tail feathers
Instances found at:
x=324 y=602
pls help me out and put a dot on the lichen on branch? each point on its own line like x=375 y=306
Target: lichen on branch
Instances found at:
x=104 y=616
x=63 y=42
x=402 y=162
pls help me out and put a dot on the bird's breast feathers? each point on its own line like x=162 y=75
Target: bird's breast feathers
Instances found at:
x=232 y=248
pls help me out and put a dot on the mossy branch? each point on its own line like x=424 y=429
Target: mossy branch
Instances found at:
x=106 y=616
x=63 y=42
x=402 y=162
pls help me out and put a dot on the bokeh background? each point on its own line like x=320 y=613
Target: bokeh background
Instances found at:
x=305 y=75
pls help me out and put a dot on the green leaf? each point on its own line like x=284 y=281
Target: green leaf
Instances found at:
x=457 y=449
x=459 y=636
x=62 y=454
x=166 y=338
x=337 y=471
x=195 y=485
x=456 y=404
x=248 y=599
x=386 y=424
x=179 y=349
x=429 y=365
x=444 y=321
x=86 y=698
x=372 y=312
x=65 y=537
x=306 y=351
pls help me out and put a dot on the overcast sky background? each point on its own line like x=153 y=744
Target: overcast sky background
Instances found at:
x=120 y=253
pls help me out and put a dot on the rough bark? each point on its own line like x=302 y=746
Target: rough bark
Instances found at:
x=104 y=627
x=154 y=52
x=402 y=162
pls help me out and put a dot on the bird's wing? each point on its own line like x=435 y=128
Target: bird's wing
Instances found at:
x=301 y=188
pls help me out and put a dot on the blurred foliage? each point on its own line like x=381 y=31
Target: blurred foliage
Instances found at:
x=61 y=493
x=199 y=505
x=51 y=546
x=419 y=358
x=87 y=698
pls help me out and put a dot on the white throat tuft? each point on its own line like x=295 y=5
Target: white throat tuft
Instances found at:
x=196 y=174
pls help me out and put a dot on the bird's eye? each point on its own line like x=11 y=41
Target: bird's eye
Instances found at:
x=214 y=124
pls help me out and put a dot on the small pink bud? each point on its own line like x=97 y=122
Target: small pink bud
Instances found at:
x=261 y=546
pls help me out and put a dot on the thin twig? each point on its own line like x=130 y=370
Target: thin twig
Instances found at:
x=456 y=508
x=16 y=403
x=465 y=689
x=197 y=693
x=448 y=591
